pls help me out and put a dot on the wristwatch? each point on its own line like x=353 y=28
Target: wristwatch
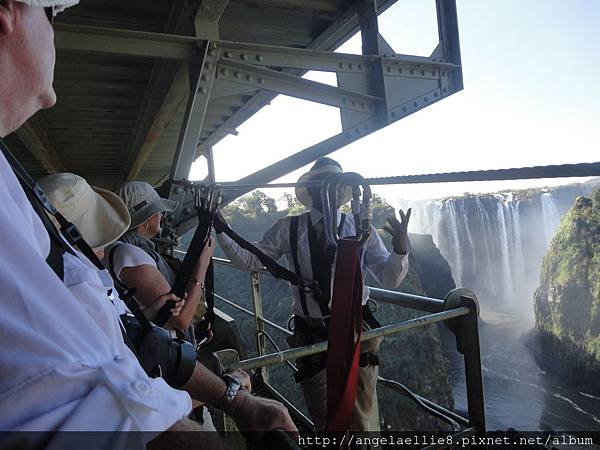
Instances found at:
x=233 y=386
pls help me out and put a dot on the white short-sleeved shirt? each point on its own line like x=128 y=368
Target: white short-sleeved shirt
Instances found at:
x=65 y=365
x=127 y=255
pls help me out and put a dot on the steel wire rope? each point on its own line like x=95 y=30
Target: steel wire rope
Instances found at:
x=407 y=392
x=521 y=173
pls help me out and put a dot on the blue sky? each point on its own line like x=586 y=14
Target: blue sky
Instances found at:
x=531 y=97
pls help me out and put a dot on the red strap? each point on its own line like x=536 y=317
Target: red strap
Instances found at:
x=344 y=336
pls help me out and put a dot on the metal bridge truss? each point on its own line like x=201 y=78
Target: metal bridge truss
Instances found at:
x=374 y=89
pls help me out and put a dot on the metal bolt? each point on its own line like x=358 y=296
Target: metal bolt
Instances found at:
x=203 y=77
x=422 y=72
x=212 y=53
x=443 y=74
x=426 y=99
x=249 y=78
x=227 y=55
x=209 y=66
x=434 y=73
x=415 y=104
x=436 y=95
x=351 y=66
x=259 y=58
x=412 y=71
x=202 y=90
x=243 y=57
x=393 y=114
x=404 y=109
x=360 y=66
x=261 y=81
x=363 y=105
x=344 y=100
x=388 y=68
x=237 y=75
x=444 y=90
x=224 y=72
x=341 y=65
x=354 y=103
x=400 y=70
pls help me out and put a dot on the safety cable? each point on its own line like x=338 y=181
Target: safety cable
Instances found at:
x=407 y=392
x=521 y=173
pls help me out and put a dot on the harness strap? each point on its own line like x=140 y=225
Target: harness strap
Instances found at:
x=294 y=248
x=345 y=329
x=274 y=268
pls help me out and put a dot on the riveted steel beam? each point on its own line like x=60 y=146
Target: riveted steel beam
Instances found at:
x=295 y=58
x=202 y=73
x=123 y=42
x=282 y=83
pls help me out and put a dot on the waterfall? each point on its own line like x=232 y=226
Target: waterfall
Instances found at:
x=550 y=216
x=495 y=243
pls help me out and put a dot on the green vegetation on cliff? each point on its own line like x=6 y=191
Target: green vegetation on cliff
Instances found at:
x=567 y=302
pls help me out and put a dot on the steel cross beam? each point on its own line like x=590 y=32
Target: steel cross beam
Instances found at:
x=246 y=74
x=123 y=42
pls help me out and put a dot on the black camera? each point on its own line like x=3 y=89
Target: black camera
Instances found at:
x=159 y=354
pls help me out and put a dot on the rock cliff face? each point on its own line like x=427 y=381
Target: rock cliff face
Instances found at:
x=495 y=242
x=567 y=302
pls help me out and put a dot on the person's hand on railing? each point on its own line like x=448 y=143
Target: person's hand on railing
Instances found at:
x=399 y=232
x=243 y=378
x=257 y=414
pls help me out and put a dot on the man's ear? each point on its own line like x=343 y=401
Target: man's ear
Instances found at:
x=7 y=17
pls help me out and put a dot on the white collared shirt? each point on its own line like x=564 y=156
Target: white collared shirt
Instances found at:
x=63 y=361
x=388 y=268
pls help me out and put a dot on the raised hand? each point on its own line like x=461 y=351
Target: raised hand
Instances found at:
x=398 y=229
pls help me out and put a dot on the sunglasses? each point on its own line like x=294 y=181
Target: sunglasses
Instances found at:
x=49 y=10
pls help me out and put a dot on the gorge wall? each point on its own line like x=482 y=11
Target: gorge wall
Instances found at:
x=495 y=242
x=567 y=302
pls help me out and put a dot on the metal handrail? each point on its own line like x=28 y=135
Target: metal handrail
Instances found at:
x=320 y=347
x=459 y=303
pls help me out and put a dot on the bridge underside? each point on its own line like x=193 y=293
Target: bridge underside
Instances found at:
x=145 y=88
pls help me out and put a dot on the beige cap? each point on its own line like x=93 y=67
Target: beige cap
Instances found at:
x=100 y=215
x=143 y=201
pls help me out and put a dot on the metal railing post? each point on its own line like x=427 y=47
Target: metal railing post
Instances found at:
x=466 y=330
x=261 y=343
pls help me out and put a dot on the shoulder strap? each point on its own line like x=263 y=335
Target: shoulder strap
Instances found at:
x=294 y=249
x=111 y=261
x=322 y=298
x=41 y=205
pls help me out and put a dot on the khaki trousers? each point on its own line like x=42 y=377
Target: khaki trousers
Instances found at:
x=365 y=416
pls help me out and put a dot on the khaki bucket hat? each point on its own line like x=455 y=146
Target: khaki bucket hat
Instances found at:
x=143 y=201
x=100 y=215
x=322 y=168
